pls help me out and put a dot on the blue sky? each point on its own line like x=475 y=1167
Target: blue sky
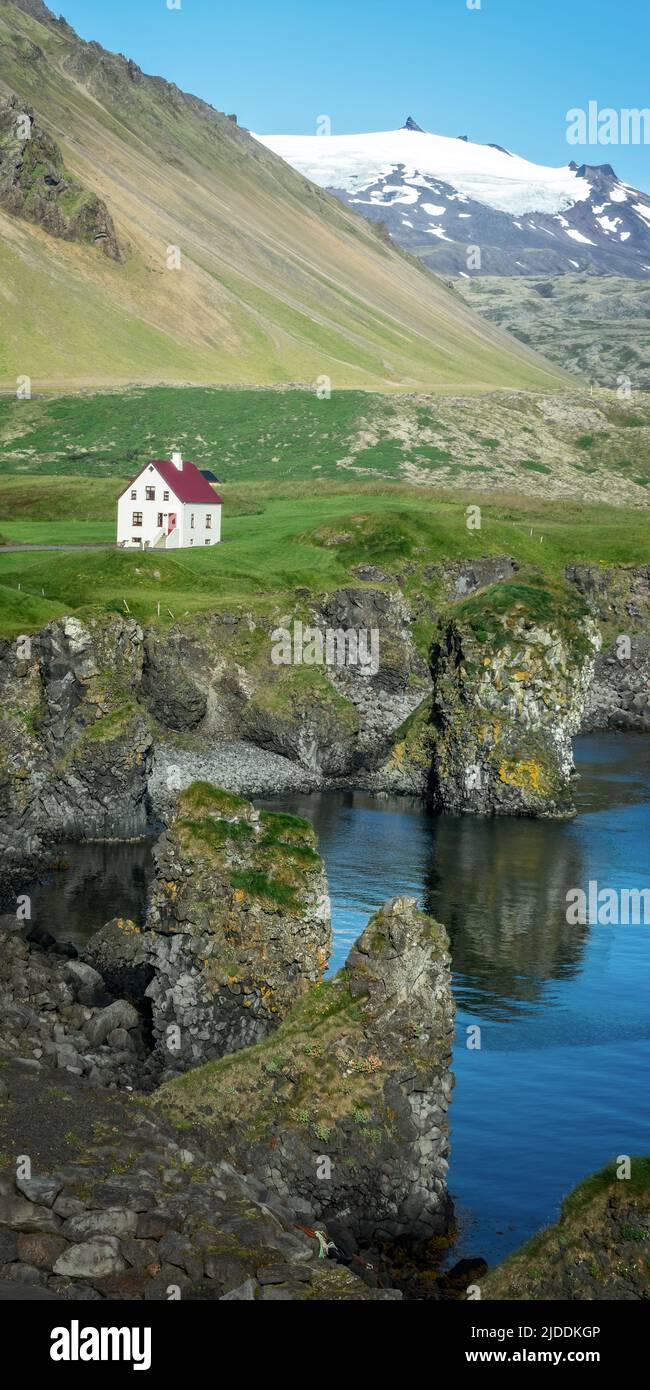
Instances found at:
x=507 y=72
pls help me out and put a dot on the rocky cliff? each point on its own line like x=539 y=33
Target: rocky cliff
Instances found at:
x=511 y=671
x=35 y=185
x=619 y=599
x=346 y=1104
x=238 y=925
x=215 y=677
x=109 y=1203
x=75 y=745
x=102 y=723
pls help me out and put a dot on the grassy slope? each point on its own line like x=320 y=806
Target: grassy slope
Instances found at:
x=598 y=1247
x=562 y=445
x=278 y=282
x=304 y=537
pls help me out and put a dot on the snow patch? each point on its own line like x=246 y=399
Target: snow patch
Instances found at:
x=609 y=224
x=502 y=181
x=577 y=236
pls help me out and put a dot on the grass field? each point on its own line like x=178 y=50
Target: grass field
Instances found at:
x=313 y=537
x=572 y=445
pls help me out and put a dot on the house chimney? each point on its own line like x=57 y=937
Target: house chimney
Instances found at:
x=177 y=460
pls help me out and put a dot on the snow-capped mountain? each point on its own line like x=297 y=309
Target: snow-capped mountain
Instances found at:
x=440 y=197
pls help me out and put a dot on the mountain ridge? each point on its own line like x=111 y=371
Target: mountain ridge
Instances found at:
x=441 y=198
x=271 y=281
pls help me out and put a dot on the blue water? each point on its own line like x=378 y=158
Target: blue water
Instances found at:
x=561 y=1082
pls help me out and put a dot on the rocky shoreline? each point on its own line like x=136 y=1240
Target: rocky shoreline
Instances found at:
x=103 y=723
x=200 y=1108
x=122 y=1189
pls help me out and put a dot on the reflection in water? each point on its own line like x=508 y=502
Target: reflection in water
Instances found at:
x=94 y=883
x=560 y=1083
x=500 y=890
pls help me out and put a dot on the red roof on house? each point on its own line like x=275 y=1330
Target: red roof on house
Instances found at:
x=187 y=483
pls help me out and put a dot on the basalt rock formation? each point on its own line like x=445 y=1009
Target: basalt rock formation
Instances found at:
x=56 y=1012
x=238 y=925
x=345 y=1106
x=511 y=672
x=101 y=723
x=215 y=679
x=35 y=185
x=118 y=1207
x=75 y=746
x=619 y=697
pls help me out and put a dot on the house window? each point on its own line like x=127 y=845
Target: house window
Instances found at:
x=192 y=521
x=165 y=496
x=134 y=494
x=208 y=522
x=136 y=540
x=206 y=542
x=160 y=519
x=150 y=494
x=191 y=542
x=137 y=519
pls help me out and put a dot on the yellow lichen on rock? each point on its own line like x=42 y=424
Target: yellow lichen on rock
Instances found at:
x=526 y=775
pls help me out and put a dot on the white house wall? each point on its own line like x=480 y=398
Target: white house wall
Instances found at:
x=200 y=534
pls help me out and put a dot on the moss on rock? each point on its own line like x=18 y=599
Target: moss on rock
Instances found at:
x=345 y=1103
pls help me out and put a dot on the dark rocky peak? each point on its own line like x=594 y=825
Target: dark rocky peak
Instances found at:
x=37 y=10
x=36 y=186
x=595 y=171
x=600 y=176
x=395 y=962
x=410 y=124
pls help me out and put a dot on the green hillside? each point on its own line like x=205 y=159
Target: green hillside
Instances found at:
x=277 y=281
x=560 y=445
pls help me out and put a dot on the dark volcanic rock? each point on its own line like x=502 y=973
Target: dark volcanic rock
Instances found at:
x=238 y=925
x=619 y=697
x=345 y=1106
x=35 y=185
x=75 y=747
x=53 y=1016
x=144 y=1216
x=509 y=692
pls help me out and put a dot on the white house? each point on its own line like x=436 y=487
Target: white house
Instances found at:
x=168 y=506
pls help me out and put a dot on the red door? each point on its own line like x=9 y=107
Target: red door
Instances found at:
x=171 y=523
